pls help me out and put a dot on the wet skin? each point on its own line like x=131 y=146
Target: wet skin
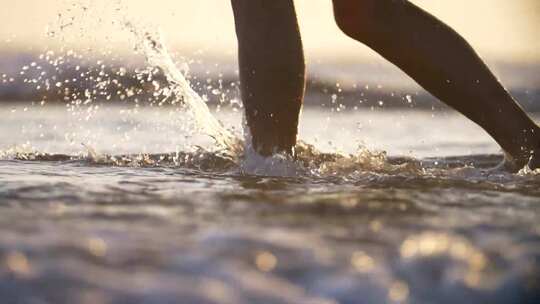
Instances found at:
x=434 y=55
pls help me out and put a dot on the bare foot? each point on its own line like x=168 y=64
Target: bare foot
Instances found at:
x=511 y=164
x=534 y=160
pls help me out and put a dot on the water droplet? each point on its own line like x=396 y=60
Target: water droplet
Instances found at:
x=408 y=98
x=334 y=98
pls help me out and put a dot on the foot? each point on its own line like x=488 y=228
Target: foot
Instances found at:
x=534 y=160
x=512 y=164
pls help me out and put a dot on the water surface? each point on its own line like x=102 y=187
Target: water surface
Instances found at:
x=138 y=215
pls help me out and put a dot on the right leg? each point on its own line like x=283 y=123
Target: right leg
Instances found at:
x=444 y=64
x=272 y=71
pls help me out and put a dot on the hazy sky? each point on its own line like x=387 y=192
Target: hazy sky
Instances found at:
x=499 y=29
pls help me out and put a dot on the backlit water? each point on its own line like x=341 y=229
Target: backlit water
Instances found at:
x=145 y=201
x=146 y=218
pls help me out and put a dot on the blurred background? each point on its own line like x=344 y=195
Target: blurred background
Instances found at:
x=202 y=32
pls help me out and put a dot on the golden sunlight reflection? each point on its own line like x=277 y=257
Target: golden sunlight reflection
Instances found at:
x=362 y=261
x=434 y=244
x=18 y=264
x=97 y=246
x=375 y=226
x=265 y=261
x=218 y=291
x=398 y=292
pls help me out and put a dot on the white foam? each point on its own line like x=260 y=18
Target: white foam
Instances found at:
x=276 y=165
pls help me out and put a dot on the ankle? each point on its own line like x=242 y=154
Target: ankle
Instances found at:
x=526 y=153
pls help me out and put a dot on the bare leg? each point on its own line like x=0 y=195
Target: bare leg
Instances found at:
x=444 y=64
x=272 y=71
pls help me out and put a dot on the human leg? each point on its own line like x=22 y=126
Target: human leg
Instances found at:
x=272 y=71
x=442 y=62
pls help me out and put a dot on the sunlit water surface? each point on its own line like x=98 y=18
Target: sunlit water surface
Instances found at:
x=138 y=215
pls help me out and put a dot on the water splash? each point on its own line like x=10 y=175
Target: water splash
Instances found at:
x=158 y=56
x=276 y=165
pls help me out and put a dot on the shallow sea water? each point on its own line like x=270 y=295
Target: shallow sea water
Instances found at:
x=139 y=216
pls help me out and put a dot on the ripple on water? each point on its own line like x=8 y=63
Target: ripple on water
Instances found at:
x=154 y=227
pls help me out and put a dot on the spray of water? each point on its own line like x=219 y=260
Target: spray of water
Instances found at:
x=158 y=56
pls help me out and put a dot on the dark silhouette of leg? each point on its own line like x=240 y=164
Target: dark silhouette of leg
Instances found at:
x=272 y=71
x=442 y=62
